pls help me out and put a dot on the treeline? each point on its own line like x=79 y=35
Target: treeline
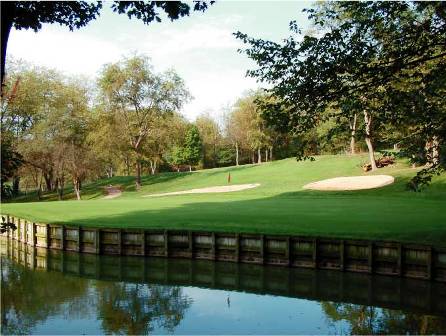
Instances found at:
x=59 y=130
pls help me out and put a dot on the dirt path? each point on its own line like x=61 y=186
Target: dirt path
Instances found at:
x=351 y=183
x=217 y=189
x=112 y=192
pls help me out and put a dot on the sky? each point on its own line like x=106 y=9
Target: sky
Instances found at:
x=201 y=48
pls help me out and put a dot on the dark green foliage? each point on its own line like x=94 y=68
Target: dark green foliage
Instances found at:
x=385 y=58
x=192 y=151
x=10 y=163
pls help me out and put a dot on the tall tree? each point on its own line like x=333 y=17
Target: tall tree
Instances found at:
x=211 y=136
x=139 y=96
x=193 y=147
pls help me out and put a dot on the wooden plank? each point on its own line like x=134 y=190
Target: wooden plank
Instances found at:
x=342 y=256
x=370 y=258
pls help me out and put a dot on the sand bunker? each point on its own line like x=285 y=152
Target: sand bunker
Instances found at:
x=218 y=189
x=112 y=192
x=351 y=183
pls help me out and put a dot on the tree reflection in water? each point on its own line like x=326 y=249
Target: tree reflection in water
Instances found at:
x=366 y=320
x=136 y=309
x=29 y=297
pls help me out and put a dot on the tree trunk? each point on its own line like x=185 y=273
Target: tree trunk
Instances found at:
x=76 y=184
x=190 y=168
x=60 y=187
x=271 y=153
x=266 y=155
x=236 y=154
x=435 y=150
x=368 y=140
x=138 y=171
x=153 y=167
x=48 y=181
x=16 y=185
x=259 y=156
x=352 y=136
x=253 y=157
x=7 y=13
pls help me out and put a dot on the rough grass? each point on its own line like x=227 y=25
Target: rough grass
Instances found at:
x=278 y=206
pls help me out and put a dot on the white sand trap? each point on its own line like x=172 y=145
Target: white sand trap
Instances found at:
x=114 y=195
x=218 y=189
x=352 y=183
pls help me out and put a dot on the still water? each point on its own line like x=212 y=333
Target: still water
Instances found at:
x=50 y=292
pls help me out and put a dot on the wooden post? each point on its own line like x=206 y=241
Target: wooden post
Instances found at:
x=288 y=251
x=430 y=264
x=79 y=239
x=237 y=247
x=120 y=241
x=191 y=243
x=62 y=238
x=25 y=231
x=370 y=259
x=166 y=243
x=342 y=255
x=97 y=241
x=315 y=253
x=213 y=247
x=33 y=234
x=262 y=249
x=143 y=246
x=47 y=236
x=400 y=260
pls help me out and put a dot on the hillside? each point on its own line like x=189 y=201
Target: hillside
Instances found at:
x=278 y=205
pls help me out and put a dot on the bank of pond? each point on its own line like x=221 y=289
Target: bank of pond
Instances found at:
x=48 y=291
x=363 y=256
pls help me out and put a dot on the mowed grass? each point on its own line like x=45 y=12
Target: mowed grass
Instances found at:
x=278 y=206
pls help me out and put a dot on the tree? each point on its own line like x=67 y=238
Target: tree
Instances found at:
x=138 y=96
x=10 y=162
x=211 y=137
x=385 y=58
x=192 y=151
x=77 y=14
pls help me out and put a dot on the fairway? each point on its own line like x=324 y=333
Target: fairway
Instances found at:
x=278 y=206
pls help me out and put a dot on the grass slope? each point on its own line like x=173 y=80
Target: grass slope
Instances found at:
x=278 y=206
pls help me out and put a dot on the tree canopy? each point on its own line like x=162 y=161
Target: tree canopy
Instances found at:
x=384 y=60
x=77 y=14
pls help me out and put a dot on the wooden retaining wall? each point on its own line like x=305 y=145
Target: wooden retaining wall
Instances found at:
x=409 y=295
x=377 y=257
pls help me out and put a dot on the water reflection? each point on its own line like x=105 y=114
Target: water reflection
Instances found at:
x=50 y=292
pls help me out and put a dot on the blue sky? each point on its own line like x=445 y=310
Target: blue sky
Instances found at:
x=201 y=48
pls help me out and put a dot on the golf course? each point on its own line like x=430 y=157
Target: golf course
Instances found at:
x=278 y=205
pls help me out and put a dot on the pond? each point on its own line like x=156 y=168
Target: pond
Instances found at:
x=54 y=292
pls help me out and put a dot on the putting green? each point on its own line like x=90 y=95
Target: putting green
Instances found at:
x=279 y=205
